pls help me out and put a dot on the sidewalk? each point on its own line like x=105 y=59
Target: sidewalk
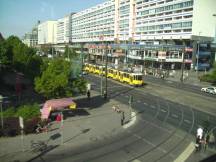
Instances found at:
x=95 y=121
x=190 y=77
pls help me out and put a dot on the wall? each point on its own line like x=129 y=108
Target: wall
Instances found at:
x=204 y=23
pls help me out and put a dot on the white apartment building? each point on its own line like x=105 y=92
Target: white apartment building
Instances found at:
x=94 y=24
x=146 y=20
x=47 y=32
x=31 y=38
x=175 y=19
x=64 y=29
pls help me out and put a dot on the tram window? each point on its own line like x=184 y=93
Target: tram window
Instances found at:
x=139 y=77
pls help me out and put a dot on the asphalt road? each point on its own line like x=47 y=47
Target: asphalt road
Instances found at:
x=162 y=132
x=151 y=104
x=178 y=85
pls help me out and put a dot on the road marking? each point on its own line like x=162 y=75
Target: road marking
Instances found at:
x=131 y=122
x=153 y=107
x=163 y=110
x=152 y=144
x=174 y=115
x=145 y=103
x=136 y=160
x=187 y=121
x=169 y=82
x=186 y=153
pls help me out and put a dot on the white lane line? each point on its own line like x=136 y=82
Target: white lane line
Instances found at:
x=163 y=110
x=152 y=144
x=174 y=115
x=136 y=160
x=169 y=82
x=187 y=121
x=132 y=121
x=145 y=103
x=153 y=107
x=186 y=153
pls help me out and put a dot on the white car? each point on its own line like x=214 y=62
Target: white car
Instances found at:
x=211 y=90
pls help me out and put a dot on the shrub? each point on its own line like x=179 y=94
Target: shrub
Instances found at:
x=28 y=111
x=10 y=112
x=11 y=127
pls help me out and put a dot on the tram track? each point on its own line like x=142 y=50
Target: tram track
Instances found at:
x=164 y=141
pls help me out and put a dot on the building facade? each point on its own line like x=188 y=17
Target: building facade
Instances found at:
x=47 y=32
x=95 y=24
x=31 y=38
x=159 y=23
x=64 y=34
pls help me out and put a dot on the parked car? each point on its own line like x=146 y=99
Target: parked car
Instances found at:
x=211 y=90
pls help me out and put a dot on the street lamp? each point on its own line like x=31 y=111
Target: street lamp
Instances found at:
x=198 y=46
x=2 y=122
x=214 y=15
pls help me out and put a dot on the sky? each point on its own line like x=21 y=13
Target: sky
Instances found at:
x=19 y=16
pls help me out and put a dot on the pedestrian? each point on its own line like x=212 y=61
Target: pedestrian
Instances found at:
x=122 y=118
x=88 y=94
x=58 y=117
x=200 y=133
x=206 y=141
x=198 y=143
x=105 y=94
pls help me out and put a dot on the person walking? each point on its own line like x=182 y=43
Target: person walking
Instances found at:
x=198 y=143
x=88 y=94
x=206 y=141
x=122 y=118
x=58 y=117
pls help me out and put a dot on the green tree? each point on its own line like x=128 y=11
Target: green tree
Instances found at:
x=70 y=53
x=28 y=111
x=54 y=80
x=210 y=77
x=18 y=56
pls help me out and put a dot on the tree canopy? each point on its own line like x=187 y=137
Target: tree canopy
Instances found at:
x=55 y=80
x=210 y=77
x=16 y=55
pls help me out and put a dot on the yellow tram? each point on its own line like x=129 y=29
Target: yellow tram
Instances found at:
x=135 y=79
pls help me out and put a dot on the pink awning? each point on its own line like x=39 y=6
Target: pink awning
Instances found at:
x=56 y=104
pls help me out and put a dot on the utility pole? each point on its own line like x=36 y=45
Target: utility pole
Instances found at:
x=2 y=122
x=182 y=66
x=105 y=93
x=102 y=64
x=130 y=104
x=198 y=50
x=81 y=59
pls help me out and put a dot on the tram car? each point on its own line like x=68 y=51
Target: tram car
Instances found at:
x=134 y=79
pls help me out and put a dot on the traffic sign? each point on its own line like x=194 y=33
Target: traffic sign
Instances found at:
x=21 y=122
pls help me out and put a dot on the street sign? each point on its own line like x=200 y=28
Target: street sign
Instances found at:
x=88 y=87
x=21 y=122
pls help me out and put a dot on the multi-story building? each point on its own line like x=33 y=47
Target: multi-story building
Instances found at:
x=64 y=30
x=31 y=38
x=159 y=23
x=94 y=24
x=165 y=22
x=47 y=32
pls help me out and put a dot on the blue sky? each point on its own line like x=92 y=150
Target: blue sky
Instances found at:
x=19 y=16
